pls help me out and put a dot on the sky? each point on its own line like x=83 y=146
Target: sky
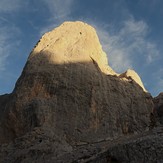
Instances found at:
x=130 y=32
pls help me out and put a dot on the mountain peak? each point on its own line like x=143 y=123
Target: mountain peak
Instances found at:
x=67 y=96
x=71 y=42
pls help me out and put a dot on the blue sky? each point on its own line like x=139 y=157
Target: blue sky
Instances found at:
x=130 y=32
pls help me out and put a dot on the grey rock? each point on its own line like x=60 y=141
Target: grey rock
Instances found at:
x=68 y=102
x=146 y=147
x=158 y=105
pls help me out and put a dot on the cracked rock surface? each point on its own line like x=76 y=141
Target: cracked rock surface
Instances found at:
x=68 y=104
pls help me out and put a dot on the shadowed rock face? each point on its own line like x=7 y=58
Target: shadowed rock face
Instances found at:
x=158 y=104
x=77 y=101
x=69 y=93
x=146 y=147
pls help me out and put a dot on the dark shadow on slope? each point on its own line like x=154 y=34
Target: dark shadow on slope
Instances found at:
x=76 y=101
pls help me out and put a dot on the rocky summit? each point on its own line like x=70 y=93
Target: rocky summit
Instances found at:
x=70 y=106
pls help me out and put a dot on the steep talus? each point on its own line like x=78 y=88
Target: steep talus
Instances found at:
x=67 y=98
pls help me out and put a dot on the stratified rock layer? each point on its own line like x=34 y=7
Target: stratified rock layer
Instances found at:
x=68 y=91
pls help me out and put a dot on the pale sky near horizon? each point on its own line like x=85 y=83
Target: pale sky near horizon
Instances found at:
x=130 y=32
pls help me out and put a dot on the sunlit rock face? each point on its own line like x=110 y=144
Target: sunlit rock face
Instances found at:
x=130 y=75
x=72 y=42
x=67 y=90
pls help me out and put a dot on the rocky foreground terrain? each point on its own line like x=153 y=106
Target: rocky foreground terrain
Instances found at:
x=70 y=106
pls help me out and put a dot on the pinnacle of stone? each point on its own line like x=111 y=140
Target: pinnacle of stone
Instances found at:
x=72 y=42
x=132 y=75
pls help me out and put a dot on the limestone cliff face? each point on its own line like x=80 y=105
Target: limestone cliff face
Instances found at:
x=68 y=86
x=68 y=90
x=70 y=43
